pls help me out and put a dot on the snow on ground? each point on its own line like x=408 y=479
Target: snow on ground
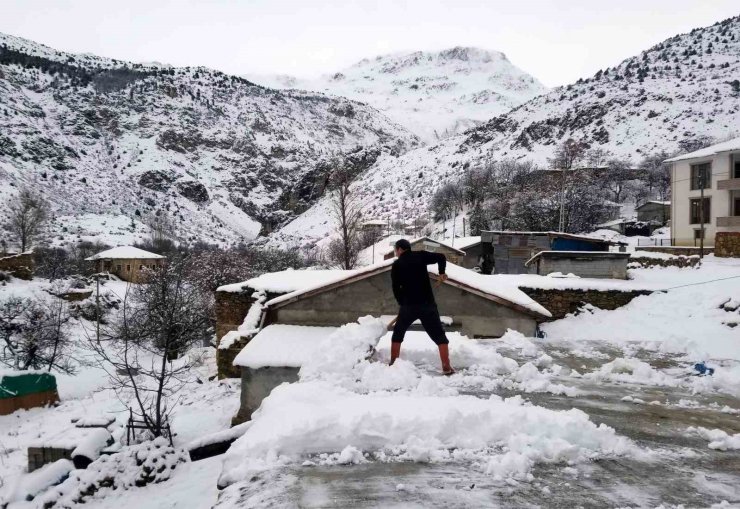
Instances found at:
x=521 y=418
x=688 y=319
x=202 y=408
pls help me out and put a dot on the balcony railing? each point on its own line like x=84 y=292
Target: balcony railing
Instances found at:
x=728 y=184
x=728 y=222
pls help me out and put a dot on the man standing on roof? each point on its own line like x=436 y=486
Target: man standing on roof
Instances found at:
x=413 y=291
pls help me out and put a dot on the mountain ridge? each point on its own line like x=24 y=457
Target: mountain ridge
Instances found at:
x=432 y=93
x=681 y=90
x=224 y=158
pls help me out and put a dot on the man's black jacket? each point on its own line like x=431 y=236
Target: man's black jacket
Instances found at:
x=410 y=278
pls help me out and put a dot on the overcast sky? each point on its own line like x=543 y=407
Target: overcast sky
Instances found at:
x=556 y=41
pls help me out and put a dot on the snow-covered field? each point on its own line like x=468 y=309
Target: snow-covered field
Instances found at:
x=586 y=416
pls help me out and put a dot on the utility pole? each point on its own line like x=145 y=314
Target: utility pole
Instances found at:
x=561 y=222
x=702 y=180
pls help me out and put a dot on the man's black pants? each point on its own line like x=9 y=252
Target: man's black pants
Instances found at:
x=427 y=314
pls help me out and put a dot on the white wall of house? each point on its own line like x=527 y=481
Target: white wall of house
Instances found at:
x=683 y=231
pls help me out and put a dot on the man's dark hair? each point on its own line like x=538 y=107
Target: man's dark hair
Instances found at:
x=403 y=244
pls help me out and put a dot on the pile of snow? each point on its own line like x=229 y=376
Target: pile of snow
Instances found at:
x=137 y=466
x=302 y=419
x=630 y=370
x=339 y=353
x=347 y=409
x=718 y=439
x=39 y=480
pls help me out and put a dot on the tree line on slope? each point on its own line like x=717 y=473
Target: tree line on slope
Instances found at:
x=581 y=189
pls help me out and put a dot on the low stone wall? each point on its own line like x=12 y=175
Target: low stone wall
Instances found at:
x=231 y=308
x=676 y=261
x=225 y=359
x=678 y=250
x=18 y=265
x=727 y=244
x=563 y=302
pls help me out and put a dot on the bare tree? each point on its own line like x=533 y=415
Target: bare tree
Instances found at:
x=568 y=154
x=28 y=212
x=34 y=334
x=347 y=210
x=143 y=351
x=617 y=178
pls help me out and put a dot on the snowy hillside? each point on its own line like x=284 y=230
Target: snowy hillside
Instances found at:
x=682 y=89
x=222 y=157
x=433 y=94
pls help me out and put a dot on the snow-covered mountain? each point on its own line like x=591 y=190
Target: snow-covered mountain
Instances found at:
x=433 y=94
x=222 y=157
x=683 y=88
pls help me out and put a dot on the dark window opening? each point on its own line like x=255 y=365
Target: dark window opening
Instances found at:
x=128 y=268
x=696 y=211
x=697 y=172
x=736 y=172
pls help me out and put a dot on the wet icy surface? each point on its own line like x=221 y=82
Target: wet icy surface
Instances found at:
x=677 y=466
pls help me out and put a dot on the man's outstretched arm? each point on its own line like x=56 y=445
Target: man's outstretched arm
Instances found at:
x=438 y=258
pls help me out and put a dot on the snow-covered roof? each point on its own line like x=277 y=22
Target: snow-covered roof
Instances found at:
x=573 y=254
x=122 y=252
x=282 y=345
x=504 y=294
x=654 y=202
x=286 y=281
x=463 y=242
x=552 y=234
x=725 y=146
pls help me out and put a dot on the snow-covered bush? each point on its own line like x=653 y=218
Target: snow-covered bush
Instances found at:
x=140 y=465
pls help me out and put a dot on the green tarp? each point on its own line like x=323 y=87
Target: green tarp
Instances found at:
x=20 y=384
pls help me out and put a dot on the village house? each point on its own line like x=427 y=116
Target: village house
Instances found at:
x=512 y=249
x=453 y=254
x=478 y=255
x=716 y=169
x=471 y=303
x=127 y=262
x=654 y=211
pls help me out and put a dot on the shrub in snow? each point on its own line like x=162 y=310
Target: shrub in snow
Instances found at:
x=134 y=467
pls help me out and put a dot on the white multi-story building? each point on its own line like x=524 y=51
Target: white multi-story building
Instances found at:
x=718 y=169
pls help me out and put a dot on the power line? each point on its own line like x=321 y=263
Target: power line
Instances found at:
x=700 y=283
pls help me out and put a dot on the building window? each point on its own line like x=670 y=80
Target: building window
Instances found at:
x=699 y=170
x=736 y=172
x=118 y=268
x=698 y=233
x=128 y=268
x=141 y=267
x=696 y=211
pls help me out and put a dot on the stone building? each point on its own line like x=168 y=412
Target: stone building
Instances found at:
x=591 y=264
x=512 y=249
x=658 y=212
x=127 y=262
x=474 y=304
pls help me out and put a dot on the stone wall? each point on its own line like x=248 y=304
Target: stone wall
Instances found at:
x=562 y=302
x=727 y=244
x=678 y=250
x=18 y=265
x=225 y=358
x=677 y=261
x=231 y=308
